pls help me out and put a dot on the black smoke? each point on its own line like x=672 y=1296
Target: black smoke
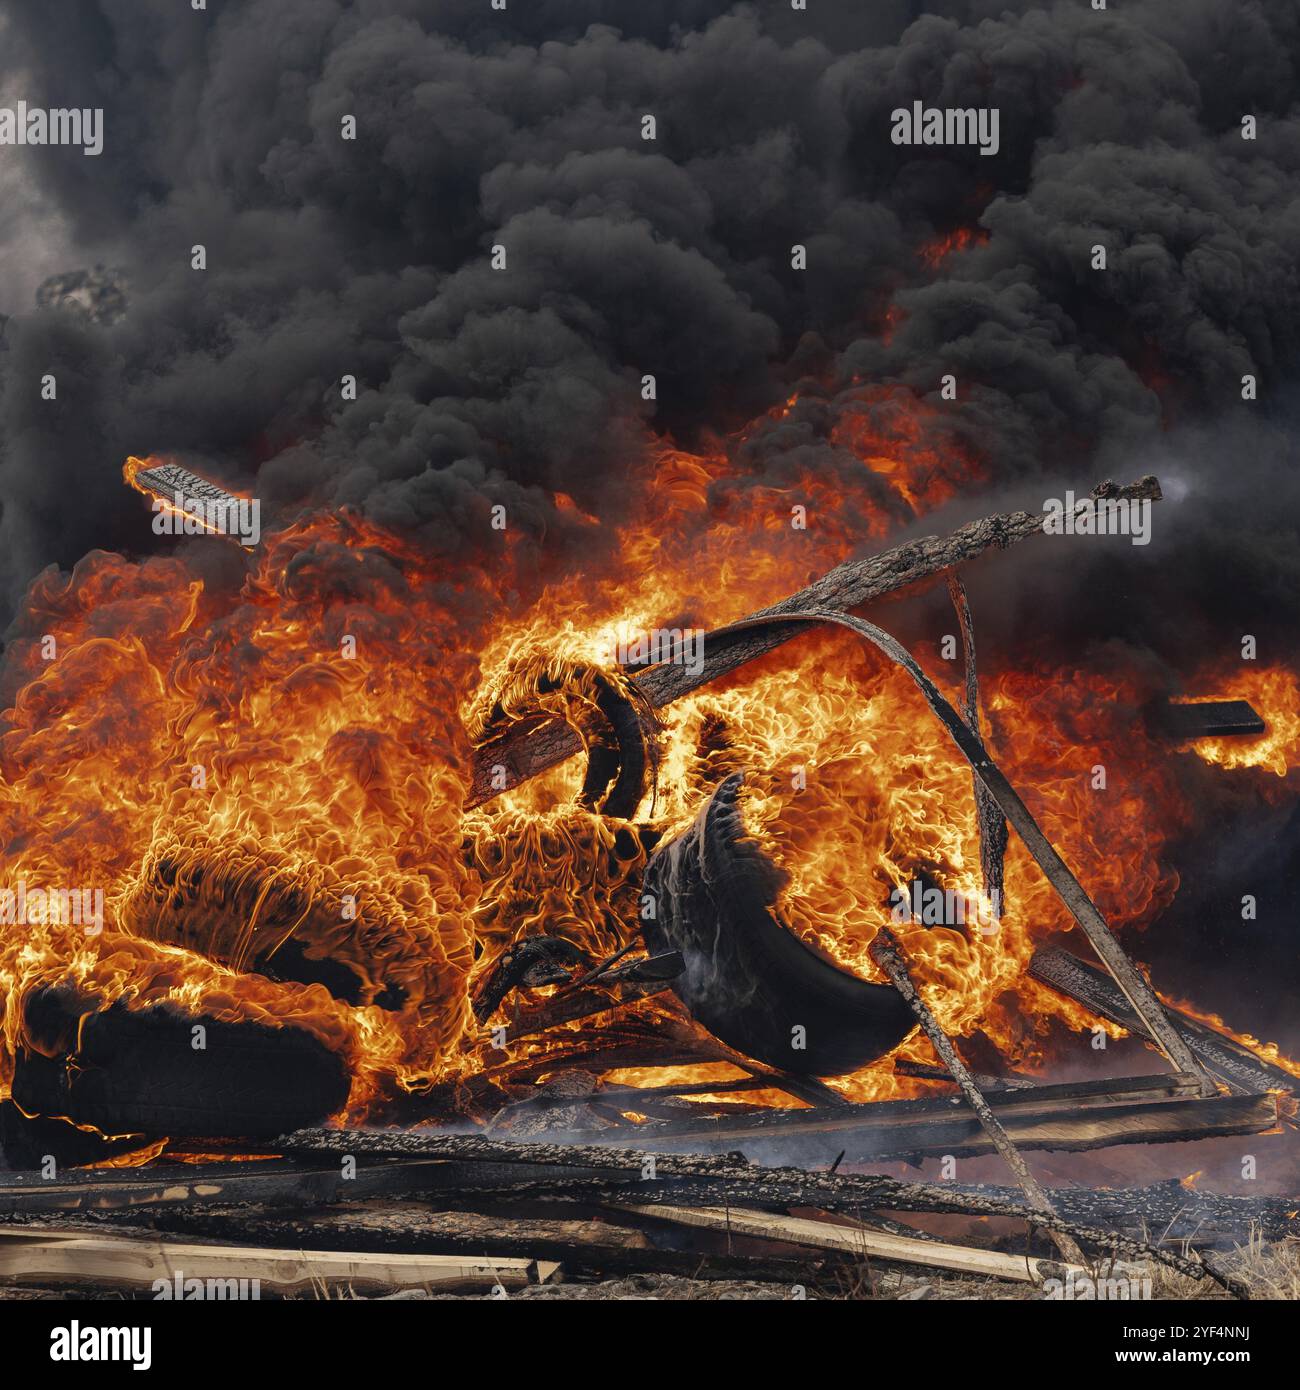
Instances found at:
x=523 y=128
x=1120 y=128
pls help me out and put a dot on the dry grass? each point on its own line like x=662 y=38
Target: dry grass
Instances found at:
x=1268 y=1271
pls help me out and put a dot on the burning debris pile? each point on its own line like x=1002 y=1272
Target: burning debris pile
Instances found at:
x=547 y=812
x=647 y=966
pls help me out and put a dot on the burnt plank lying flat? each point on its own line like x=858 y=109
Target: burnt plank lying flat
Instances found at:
x=31 y=1256
x=862 y=1243
x=1072 y=1116
x=1208 y=719
x=580 y=1244
x=815 y=1119
x=1170 y=1210
x=1232 y=1063
x=281 y=1183
x=1068 y=1128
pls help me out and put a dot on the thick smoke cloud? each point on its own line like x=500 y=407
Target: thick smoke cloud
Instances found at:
x=523 y=128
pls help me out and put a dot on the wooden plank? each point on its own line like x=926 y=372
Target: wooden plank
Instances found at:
x=863 y=1243
x=1073 y=1130
x=280 y=1183
x=1097 y=1118
x=157 y=1265
x=1170 y=1211
x=585 y=1245
x=769 y=1124
x=1232 y=1062
x=1185 y=721
x=1024 y=1100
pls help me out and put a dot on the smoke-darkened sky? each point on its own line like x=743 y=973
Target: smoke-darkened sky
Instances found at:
x=625 y=256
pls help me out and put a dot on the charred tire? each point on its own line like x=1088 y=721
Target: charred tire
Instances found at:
x=605 y=709
x=138 y=1072
x=27 y=1141
x=748 y=979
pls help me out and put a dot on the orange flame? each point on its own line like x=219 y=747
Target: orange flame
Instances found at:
x=236 y=771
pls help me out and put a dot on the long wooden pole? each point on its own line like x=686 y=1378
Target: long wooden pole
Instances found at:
x=888 y=954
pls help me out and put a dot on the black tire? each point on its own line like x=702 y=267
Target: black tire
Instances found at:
x=27 y=1141
x=622 y=758
x=748 y=979
x=138 y=1072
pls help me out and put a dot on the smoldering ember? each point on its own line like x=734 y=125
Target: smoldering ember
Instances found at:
x=633 y=689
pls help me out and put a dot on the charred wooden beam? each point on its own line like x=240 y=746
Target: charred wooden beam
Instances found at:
x=273 y=1182
x=1069 y=1128
x=1172 y=1211
x=206 y=503
x=1230 y=1061
x=1087 y=1115
x=992 y=823
x=1028 y=1100
x=887 y=953
x=1074 y=1116
x=524 y=753
x=864 y=1244
x=1168 y=1211
x=1184 y=721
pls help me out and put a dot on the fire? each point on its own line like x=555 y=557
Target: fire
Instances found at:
x=933 y=253
x=1267 y=1051
x=892 y=435
x=1274 y=691
x=860 y=789
x=281 y=766
x=228 y=776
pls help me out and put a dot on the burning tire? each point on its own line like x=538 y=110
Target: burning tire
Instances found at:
x=26 y=1141
x=605 y=709
x=120 y=1070
x=749 y=980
